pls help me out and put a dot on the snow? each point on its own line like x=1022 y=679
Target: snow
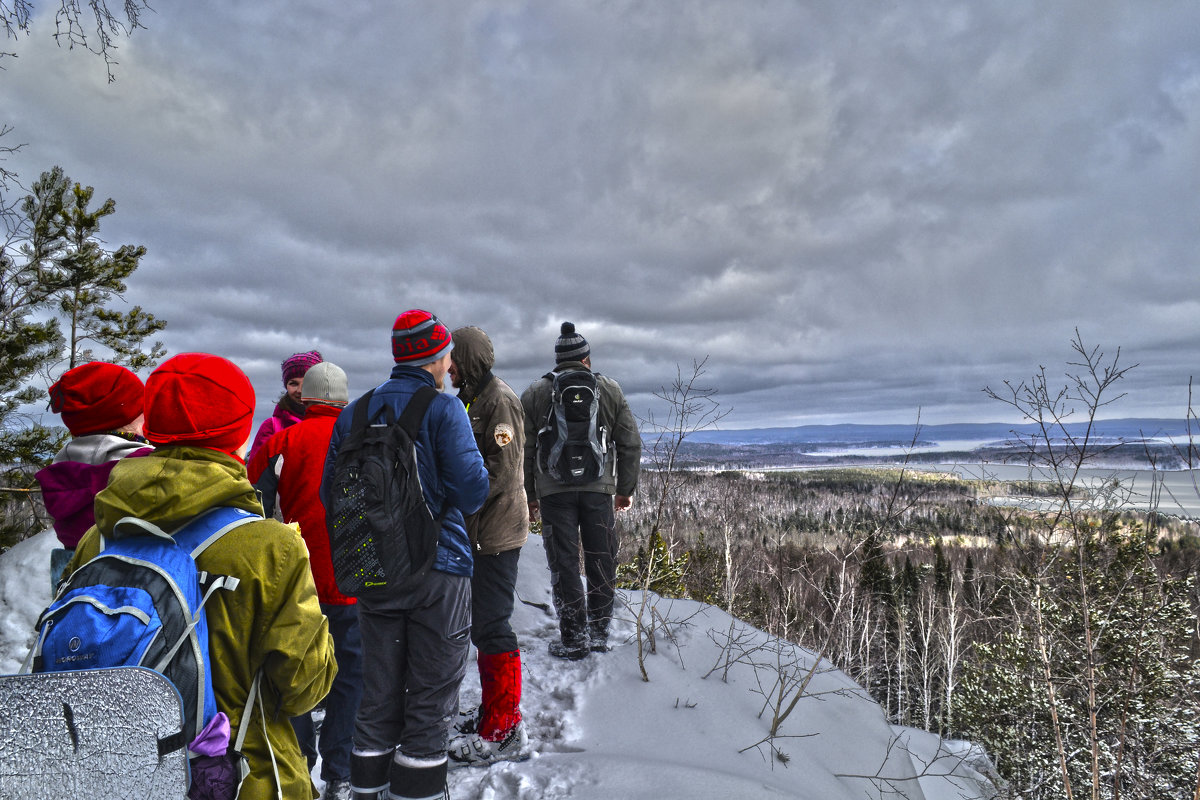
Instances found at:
x=695 y=730
x=25 y=590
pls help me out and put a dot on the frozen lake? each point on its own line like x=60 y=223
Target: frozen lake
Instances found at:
x=895 y=450
x=1175 y=493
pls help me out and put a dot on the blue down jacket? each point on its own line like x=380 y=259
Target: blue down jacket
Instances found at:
x=448 y=461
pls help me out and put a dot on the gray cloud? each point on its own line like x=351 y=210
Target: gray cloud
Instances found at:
x=853 y=211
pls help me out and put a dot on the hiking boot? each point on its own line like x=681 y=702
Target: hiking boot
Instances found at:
x=570 y=652
x=478 y=751
x=598 y=639
x=337 y=790
x=467 y=722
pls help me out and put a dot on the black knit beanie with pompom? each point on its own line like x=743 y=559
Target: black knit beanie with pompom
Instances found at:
x=570 y=346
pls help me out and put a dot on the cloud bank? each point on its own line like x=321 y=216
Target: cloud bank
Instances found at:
x=854 y=211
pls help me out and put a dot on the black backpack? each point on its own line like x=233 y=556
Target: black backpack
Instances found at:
x=382 y=538
x=571 y=445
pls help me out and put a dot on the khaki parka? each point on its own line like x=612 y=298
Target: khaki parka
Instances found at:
x=499 y=427
x=271 y=621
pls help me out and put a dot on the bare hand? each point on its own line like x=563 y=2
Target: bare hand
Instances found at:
x=622 y=503
x=534 y=511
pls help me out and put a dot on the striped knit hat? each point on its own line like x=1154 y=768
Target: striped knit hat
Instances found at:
x=297 y=364
x=570 y=346
x=419 y=337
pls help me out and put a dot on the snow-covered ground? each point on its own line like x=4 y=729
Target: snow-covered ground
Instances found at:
x=696 y=730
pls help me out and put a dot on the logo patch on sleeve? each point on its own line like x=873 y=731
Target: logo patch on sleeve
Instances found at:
x=503 y=434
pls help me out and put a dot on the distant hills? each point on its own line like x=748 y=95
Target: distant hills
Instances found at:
x=1134 y=429
x=1133 y=442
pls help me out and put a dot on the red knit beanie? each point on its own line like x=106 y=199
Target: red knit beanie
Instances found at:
x=97 y=397
x=418 y=337
x=199 y=400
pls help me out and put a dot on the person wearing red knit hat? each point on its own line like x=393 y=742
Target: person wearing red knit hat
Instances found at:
x=199 y=410
x=416 y=640
x=101 y=405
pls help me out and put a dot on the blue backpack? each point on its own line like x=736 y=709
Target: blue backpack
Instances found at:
x=140 y=602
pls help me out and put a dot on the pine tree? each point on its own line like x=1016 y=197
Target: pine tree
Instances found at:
x=28 y=344
x=941 y=571
x=90 y=278
x=54 y=262
x=656 y=568
x=1128 y=695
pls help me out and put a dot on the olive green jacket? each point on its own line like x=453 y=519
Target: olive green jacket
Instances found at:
x=624 y=454
x=272 y=621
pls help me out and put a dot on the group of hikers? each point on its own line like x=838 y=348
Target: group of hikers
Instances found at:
x=307 y=621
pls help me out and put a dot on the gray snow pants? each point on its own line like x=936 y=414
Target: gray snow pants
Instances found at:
x=414 y=658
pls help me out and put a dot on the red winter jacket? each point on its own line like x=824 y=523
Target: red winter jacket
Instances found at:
x=281 y=419
x=291 y=463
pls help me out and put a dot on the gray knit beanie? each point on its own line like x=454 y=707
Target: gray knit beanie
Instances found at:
x=325 y=383
x=570 y=346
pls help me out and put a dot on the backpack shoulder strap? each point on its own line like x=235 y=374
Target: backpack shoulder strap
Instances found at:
x=254 y=698
x=414 y=412
x=358 y=422
x=410 y=421
x=195 y=536
x=133 y=526
x=554 y=391
x=201 y=531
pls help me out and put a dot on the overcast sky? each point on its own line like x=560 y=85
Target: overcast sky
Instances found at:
x=854 y=210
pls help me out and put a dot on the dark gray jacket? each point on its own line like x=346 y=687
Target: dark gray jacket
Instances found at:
x=623 y=459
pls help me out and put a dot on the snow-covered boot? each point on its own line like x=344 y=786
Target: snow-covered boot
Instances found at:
x=598 y=636
x=467 y=722
x=499 y=734
x=572 y=650
x=500 y=680
x=473 y=749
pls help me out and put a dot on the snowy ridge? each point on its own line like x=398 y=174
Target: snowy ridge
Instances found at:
x=599 y=732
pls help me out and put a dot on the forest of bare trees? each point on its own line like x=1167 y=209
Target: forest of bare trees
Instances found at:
x=917 y=587
x=1062 y=634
